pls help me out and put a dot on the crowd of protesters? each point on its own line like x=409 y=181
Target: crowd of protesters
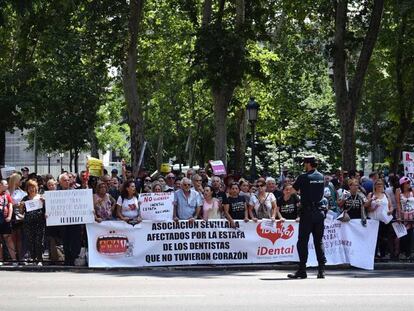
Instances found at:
x=25 y=238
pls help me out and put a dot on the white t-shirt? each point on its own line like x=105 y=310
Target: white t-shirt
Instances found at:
x=270 y=197
x=129 y=207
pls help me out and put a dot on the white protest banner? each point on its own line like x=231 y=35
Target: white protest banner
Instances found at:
x=399 y=229
x=348 y=242
x=6 y=172
x=156 y=206
x=32 y=205
x=408 y=161
x=69 y=207
x=118 y=244
x=218 y=167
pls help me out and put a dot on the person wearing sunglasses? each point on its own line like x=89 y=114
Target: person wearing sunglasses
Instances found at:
x=263 y=204
x=187 y=202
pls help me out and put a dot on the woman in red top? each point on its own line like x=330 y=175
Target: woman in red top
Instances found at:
x=6 y=210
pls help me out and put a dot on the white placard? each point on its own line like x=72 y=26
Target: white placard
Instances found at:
x=32 y=205
x=69 y=207
x=156 y=206
x=399 y=229
x=6 y=172
x=408 y=161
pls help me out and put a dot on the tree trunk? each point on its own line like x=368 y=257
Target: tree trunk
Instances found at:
x=76 y=158
x=221 y=99
x=240 y=141
x=129 y=80
x=94 y=145
x=406 y=104
x=70 y=160
x=160 y=148
x=348 y=100
x=2 y=147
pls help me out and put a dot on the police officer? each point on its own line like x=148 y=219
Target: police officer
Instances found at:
x=312 y=215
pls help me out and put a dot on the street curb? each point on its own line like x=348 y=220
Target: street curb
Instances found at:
x=247 y=267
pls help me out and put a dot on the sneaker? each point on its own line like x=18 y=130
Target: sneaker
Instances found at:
x=40 y=264
x=321 y=274
x=1 y=263
x=300 y=274
x=15 y=264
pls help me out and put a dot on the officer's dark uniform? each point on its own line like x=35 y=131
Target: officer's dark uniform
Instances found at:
x=312 y=215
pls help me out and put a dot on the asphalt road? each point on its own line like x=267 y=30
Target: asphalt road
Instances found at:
x=205 y=290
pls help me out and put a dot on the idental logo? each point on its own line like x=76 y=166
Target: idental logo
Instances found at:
x=280 y=232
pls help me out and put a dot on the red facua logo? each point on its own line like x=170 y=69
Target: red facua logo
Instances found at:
x=280 y=232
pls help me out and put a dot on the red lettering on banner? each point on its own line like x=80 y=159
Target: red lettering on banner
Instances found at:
x=280 y=233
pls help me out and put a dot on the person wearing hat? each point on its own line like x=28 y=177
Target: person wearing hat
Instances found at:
x=312 y=216
x=405 y=213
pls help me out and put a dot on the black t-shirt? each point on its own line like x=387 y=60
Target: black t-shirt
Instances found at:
x=237 y=206
x=289 y=208
x=353 y=205
x=311 y=186
x=278 y=193
x=220 y=195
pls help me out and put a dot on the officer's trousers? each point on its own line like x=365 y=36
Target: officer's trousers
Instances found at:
x=311 y=221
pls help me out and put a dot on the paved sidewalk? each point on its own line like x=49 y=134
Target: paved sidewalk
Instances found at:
x=404 y=265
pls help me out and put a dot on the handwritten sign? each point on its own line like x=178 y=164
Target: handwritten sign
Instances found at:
x=156 y=206
x=69 y=207
x=95 y=167
x=32 y=205
x=6 y=172
x=218 y=167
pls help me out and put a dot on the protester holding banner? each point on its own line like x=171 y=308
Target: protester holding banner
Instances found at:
x=235 y=206
x=289 y=204
x=32 y=207
x=263 y=203
x=71 y=234
x=211 y=206
x=188 y=202
x=17 y=194
x=405 y=213
x=127 y=204
x=103 y=202
x=353 y=202
x=6 y=211
x=379 y=205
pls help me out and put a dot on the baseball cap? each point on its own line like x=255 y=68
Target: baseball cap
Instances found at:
x=404 y=180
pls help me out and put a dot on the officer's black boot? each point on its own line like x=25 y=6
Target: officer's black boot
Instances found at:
x=321 y=272
x=300 y=274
